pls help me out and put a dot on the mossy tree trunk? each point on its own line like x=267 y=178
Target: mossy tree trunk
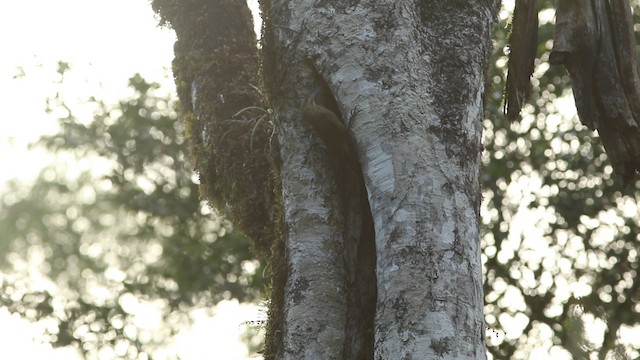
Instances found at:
x=407 y=79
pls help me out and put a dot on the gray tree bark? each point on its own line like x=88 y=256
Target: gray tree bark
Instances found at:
x=406 y=79
x=413 y=74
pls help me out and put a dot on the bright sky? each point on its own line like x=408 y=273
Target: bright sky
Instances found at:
x=105 y=43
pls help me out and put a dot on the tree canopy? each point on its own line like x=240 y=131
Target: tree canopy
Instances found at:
x=119 y=219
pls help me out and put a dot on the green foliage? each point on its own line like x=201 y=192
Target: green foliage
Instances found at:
x=119 y=219
x=560 y=232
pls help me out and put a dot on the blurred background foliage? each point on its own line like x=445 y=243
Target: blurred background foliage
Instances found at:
x=560 y=233
x=119 y=223
x=115 y=223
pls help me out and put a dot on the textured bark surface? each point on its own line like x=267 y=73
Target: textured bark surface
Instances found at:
x=406 y=80
x=415 y=74
x=216 y=72
x=523 y=44
x=323 y=315
x=359 y=246
x=230 y=129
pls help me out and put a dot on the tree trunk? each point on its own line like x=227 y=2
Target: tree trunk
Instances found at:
x=413 y=76
x=404 y=82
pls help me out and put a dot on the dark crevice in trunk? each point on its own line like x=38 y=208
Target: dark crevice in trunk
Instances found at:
x=359 y=249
